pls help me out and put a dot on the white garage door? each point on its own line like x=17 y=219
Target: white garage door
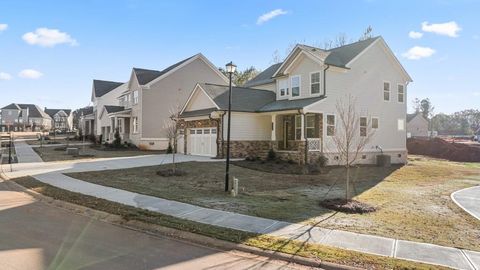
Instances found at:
x=202 y=142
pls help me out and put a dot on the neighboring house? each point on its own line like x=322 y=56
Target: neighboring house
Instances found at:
x=103 y=93
x=417 y=125
x=24 y=117
x=145 y=104
x=86 y=120
x=291 y=106
x=62 y=119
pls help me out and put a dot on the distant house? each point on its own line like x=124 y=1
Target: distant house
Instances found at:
x=24 y=117
x=417 y=125
x=86 y=120
x=62 y=119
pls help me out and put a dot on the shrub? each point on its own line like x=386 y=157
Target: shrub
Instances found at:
x=170 y=148
x=117 y=142
x=100 y=139
x=271 y=154
x=322 y=161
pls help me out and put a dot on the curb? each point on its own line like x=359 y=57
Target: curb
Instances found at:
x=159 y=231
x=452 y=196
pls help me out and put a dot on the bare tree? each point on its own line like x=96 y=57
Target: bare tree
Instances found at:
x=276 y=58
x=367 y=33
x=172 y=132
x=353 y=134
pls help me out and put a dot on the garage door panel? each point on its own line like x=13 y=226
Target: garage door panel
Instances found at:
x=202 y=142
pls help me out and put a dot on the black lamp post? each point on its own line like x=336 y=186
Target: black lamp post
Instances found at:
x=230 y=67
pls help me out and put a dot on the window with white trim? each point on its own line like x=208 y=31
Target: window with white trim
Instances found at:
x=401 y=93
x=298 y=127
x=330 y=125
x=386 y=91
x=135 y=97
x=135 y=124
x=119 y=125
x=363 y=126
x=401 y=124
x=283 y=87
x=374 y=122
x=310 y=125
x=315 y=83
x=295 y=82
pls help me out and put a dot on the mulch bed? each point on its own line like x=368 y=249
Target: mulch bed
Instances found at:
x=350 y=206
x=440 y=148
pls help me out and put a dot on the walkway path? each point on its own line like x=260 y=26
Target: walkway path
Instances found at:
x=469 y=200
x=414 y=251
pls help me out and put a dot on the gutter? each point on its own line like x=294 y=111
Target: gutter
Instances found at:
x=325 y=80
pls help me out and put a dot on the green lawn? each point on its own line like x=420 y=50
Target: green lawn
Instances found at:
x=51 y=153
x=414 y=200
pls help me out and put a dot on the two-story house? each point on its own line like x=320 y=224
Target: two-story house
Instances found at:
x=291 y=106
x=23 y=117
x=143 y=108
x=62 y=119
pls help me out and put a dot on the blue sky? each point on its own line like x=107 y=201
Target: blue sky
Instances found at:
x=83 y=40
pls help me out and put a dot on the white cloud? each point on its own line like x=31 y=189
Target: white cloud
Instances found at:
x=5 y=76
x=3 y=27
x=270 y=15
x=450 y=29
x=46 y=37
x=415 y=35
x=418 y=52
x=30 y=74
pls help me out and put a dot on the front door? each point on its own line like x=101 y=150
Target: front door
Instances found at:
x=286 y=131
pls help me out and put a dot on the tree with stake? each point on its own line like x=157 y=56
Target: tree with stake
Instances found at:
x=353 y=134
x=172 y=130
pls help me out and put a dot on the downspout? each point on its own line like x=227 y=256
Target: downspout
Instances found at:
x=324 y=94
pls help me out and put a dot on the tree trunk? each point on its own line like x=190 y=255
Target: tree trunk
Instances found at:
x=347 y=189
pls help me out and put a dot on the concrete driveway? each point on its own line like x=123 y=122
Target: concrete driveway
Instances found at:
x=35 y=235
x=469 y=200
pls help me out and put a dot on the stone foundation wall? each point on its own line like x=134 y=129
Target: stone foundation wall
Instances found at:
x=243 y=149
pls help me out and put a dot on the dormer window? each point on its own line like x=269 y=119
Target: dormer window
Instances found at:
x=315 y=83
x=295 y=86
x=283 y=87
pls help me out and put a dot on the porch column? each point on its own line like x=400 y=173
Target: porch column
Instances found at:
x=274 y=127
x=302 y=134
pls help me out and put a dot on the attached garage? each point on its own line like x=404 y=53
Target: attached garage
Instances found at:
x=202 y=142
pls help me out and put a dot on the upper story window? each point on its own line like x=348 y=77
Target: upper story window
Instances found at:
x=9 y=112
x=401 y=93
x=135 y=124
x=330 y=125
x=283 y=87
x=135 y=97
x=295 y=86
x=401 y=124
x=374 y=123
x=386 y=91
x=315 y=83
x=363 y=126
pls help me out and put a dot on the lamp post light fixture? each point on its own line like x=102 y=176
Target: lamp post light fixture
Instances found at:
x=230 y=68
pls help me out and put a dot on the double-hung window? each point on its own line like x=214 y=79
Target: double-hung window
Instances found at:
x=298 y=127
x=374 y=123
x=119 y=125
x=401 y=93
x=386 y=91
x=135 y=97
x=295 y=82
x=135 y=124
x=283 y=87
x=330 y=125
x=315 y=83
x=363 y=126
x=310 y=125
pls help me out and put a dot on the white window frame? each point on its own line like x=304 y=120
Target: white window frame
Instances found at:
x=378 y=122
x=398 y=93
x=328 y=125
x=299 y=86
x=365 y=126
x=135 y=124
x=309 y=127
x=389 y=91
x=120 y=125
x=319 y=83
x=402 y=128
x=285 y=87
x=298 y=119
x=135 y=97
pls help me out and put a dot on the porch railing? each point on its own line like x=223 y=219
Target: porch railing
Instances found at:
x=313 y=144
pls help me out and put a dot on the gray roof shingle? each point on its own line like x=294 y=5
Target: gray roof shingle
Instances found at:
x=198 y=112
x=114 y=109
x=101 y=88
x=145 y=76
x=264 y=77
x=85 y=111
x=284 y=105
x=34 y=111
x=11 y=106
x=342 y=55
x=52 y=112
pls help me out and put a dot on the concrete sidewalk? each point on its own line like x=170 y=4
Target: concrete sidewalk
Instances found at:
x=413 y=251
x=25 y=153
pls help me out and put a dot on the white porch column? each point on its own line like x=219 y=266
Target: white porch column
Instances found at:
x=302 y=134
x=274 y=127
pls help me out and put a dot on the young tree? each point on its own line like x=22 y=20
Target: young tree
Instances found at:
x=352 y=135
x=172 y=132
x=117 y=142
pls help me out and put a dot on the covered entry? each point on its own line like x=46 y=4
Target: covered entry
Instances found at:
x=202 y=141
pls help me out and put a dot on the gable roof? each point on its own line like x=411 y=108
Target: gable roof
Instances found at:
x=101 y=88
x=86 y=110
x=145 y=76
x=264 y=77
x=11 y=106
x=113 y=109
x=410 y=116
x=342 y=55
x=52 y=112
x=34 y=111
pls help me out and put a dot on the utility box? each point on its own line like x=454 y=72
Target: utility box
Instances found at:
x=384 y=160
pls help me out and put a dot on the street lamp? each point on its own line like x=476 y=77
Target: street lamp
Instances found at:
x=230 y=67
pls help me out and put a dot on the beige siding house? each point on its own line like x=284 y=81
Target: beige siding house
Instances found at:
x=417 y=125
x=290 y=107
x=143 y=108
